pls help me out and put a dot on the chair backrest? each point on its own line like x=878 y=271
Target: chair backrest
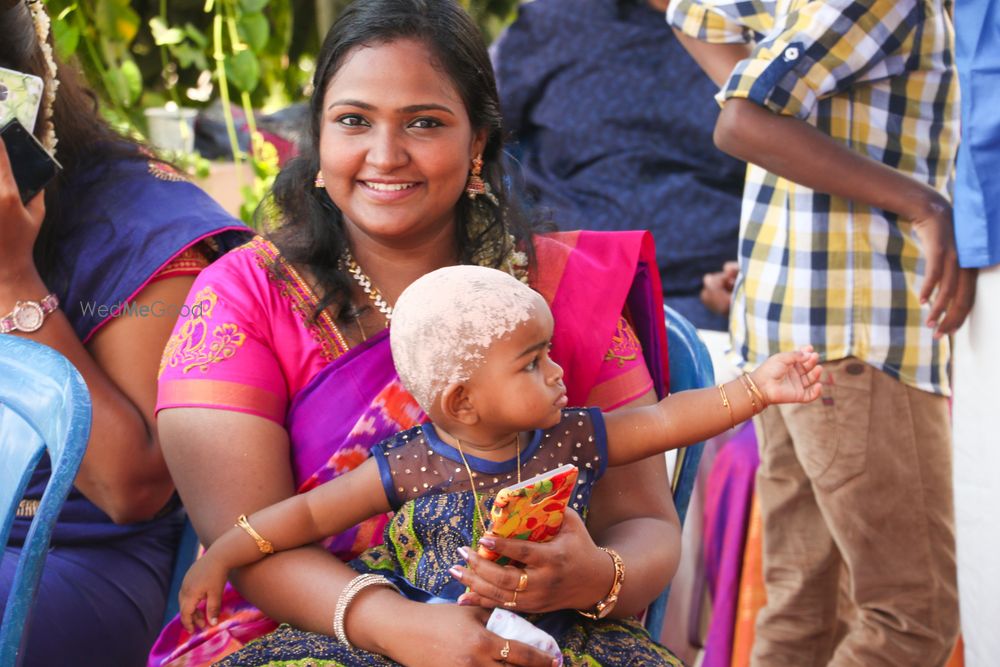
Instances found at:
x=690 y=368
x=44 y=407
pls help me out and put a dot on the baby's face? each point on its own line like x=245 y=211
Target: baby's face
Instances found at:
x=518 y=381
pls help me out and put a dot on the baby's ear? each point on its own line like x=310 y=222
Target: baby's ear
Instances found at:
x=456 y=403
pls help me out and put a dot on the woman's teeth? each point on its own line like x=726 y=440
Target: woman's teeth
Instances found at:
x=389 y=187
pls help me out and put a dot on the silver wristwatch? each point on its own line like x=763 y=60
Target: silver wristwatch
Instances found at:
x=28 y=316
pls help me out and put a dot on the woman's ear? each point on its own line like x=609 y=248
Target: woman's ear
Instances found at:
x=479 y=142
x=457 y=404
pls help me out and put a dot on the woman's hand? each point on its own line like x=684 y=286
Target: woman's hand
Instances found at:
x=448 y=634
x=563 y=573
x=790 y=377
x=20 y=223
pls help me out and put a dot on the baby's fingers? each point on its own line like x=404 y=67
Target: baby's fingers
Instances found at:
x=213 y=602
x=190 y=616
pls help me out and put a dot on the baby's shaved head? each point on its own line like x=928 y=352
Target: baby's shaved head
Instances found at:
x=443 y=323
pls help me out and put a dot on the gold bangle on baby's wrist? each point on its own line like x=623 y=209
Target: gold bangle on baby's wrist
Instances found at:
x=264 y=545
x=604 y=607
x=729 y=406
x=752 y=386
x=755 y=408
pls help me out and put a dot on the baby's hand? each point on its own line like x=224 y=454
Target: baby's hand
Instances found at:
x=790 y=377
x=204 y=581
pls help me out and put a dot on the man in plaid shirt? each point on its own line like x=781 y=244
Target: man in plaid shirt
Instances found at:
x=847 y=112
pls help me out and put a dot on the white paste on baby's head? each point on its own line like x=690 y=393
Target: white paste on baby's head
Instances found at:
x=444 y=321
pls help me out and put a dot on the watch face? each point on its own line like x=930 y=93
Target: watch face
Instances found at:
x=28 y=317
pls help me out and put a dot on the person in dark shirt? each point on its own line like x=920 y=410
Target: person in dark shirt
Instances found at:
x=614 y=130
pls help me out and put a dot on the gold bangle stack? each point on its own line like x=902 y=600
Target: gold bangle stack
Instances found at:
x=264 y=545
x=756 y=396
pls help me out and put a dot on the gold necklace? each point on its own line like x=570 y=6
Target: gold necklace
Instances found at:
x=348 y=262
x=480 y=509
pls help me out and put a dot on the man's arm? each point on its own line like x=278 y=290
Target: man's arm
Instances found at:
x=717 y=60
x=793 y=149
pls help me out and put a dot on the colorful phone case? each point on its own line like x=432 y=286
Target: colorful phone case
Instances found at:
x=532 y=510
x=20 y=97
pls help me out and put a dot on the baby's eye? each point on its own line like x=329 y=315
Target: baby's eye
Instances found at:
x=352 y=120
x=426 y=123
x=532 y=366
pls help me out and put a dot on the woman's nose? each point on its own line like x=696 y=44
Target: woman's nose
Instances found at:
x=387 y=151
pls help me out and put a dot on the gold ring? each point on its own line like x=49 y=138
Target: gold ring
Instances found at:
x=522 y=582
x=512 y=603
x=505 y=651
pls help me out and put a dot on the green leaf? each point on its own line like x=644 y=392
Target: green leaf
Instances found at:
x=117 y=86
x=252 y=6
x=66 y=37
x=163 y=35
x=133 y=80
x=243 y=70
x=188 y=55
x=195 y=35
x=255 y=30
x=115 y=19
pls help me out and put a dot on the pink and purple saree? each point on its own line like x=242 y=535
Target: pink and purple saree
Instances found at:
x=251 y=345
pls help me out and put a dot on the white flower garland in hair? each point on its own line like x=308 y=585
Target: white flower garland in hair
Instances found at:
x=42 y=26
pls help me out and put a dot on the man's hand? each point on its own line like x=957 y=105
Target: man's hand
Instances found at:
x=717 y=288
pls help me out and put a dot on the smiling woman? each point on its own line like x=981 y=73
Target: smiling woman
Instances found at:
x=290 y=358
x=398 y=144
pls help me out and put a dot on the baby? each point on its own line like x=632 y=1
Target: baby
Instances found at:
x=471 y=345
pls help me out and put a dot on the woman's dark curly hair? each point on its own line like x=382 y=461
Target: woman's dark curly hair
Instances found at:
x=311 y=232
x=85 y=138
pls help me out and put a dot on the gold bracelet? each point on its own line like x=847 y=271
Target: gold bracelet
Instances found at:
x=756 y=390
x=604 y=607
x=729 y=407
x=262 y=544
x=754 y=409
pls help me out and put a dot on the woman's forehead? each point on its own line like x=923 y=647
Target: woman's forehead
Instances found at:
x=391 y=75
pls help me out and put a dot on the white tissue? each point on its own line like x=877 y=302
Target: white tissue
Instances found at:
x=511 y=626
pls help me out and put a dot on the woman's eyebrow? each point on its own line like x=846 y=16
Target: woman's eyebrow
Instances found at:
x=416 y=108
x=413 y=108
x=351 y=103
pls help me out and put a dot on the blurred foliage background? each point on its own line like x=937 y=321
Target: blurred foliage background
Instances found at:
x=255 y=54
x=143 y=53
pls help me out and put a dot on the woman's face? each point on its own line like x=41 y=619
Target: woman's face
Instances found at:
x=396 y=144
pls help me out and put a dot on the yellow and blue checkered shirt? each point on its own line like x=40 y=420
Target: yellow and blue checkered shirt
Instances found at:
x=879 y=76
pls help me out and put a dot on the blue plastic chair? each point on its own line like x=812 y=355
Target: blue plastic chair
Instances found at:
x=690 y=368
x=187 y=552
x=44 y=406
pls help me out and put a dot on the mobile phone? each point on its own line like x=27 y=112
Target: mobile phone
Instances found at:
x=532 y=510
x=20 y=97
x=32 y=165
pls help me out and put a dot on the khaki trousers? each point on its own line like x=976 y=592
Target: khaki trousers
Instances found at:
x=856 y=498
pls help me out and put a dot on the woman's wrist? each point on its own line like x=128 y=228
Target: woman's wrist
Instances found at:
x=606 y=604
x=374 y=617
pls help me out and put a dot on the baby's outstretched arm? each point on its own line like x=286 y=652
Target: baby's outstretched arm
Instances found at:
x=692 y=416
x=294 y=522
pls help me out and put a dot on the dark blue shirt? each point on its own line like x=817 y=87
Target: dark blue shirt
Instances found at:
x=614 y=121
